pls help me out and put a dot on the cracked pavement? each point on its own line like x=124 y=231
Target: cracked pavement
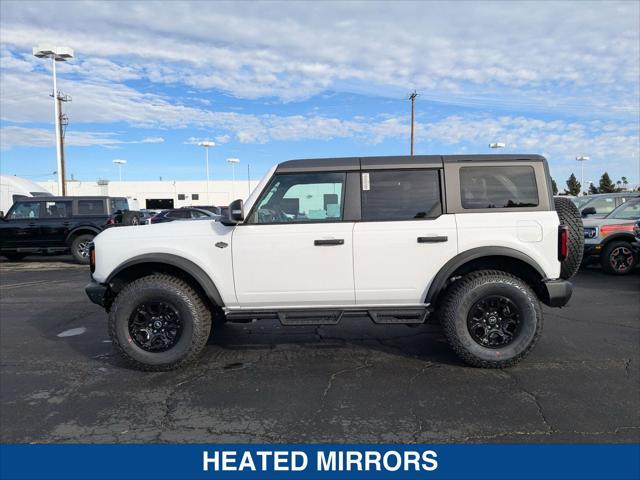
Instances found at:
x=353 y=382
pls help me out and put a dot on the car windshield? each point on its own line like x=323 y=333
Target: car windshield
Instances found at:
x=580 y=201
x=627 y=211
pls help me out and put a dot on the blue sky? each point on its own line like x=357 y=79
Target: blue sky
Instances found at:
x=274 y=81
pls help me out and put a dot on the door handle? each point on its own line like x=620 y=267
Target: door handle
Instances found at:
x=434 y=239
x=332 y=241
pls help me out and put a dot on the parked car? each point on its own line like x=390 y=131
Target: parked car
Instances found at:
x=601 y=204
x=58 y=224
x=185 y=213
x=609 y=240
x=477 y=238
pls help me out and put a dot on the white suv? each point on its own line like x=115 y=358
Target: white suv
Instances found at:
x=474 y=241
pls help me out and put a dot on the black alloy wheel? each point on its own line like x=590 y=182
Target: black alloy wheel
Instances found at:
x=155 y=326
x=494 y=321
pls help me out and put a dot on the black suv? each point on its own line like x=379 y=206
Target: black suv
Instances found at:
x=57 y=224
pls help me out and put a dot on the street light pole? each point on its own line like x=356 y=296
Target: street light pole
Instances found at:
x=206 y=144
x=233 y=162
x=120 y=163
x=57 y=54
x=582 y=159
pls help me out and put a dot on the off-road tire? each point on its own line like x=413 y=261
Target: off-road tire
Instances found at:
x=570 y=216
x=195 y=318
x=78 y=245
x=464 y=293
x=605 y=258
x=14 y=256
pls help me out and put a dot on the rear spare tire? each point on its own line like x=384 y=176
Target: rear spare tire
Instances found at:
x=570 y=216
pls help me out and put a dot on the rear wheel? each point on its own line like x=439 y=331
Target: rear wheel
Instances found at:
x=618 y=258
x=491 y=319
x=159 y=323
x=570 y=216
x=80 y=248
x=14 y=256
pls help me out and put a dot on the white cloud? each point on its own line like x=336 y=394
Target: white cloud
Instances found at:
x=586 y=51
x=13 y=136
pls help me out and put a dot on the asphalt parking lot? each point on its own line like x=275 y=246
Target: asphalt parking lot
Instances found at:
x=60 y=380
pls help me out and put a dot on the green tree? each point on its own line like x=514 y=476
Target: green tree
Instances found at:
x=606 y=185
x=592 y=189
x=573 y=185
x=625 y=182
x=554 y=186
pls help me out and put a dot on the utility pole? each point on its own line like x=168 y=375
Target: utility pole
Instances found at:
x=63 y=121
x=413 y=99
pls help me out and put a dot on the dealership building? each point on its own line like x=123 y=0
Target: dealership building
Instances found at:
x=161 y=194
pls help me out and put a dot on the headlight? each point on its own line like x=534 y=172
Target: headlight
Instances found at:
x=590 y=232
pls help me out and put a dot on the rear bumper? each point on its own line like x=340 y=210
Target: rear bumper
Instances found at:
x=556 y=293
x=97 y=293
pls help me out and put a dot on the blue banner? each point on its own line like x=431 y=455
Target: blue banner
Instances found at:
x=294 y=462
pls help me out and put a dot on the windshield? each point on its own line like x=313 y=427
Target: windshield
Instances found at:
x=627 y=211
x=580 y=201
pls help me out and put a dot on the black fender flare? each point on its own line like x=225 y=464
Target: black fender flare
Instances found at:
x=181 y=263
x=440 y=280
x=78 y=228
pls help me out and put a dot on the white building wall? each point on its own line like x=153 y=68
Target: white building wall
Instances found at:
x=221 y=192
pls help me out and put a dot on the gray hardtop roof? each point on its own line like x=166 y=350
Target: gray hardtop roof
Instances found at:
x=68 y=198
x=394 y=161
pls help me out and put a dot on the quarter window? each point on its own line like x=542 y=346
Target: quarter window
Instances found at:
x=90 y=207
x=301 y=198
x=400 y=195
x=498 y=187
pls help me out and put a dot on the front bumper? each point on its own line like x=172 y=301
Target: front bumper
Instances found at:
x=556 y=293
x=97 y=293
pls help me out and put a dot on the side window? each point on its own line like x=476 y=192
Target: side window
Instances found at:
x=602 y=205
x=630 y=211
x=119 y=204
x=498 y=187
x=400 y=195
x=25 y=210
x=91 y=207
x=57 y=209
x=301 y=198
x=197 y=214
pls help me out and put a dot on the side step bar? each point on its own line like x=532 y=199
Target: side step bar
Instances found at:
x=395 y=315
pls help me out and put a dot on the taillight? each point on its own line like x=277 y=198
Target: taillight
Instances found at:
x=563 y=242
x=92 y=258
x=609 y=229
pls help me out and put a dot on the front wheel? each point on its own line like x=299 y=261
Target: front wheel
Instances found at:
x=491 y=319
x=159 y=323
x=80 y=248
x=618 y=258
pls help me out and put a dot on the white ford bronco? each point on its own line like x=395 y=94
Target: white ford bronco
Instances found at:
x=473 y=241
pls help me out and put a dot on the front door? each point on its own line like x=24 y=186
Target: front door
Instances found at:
x=294 y=250
x=21 y=227
x=403 y=239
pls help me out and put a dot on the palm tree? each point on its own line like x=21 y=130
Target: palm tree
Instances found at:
x=625 y=182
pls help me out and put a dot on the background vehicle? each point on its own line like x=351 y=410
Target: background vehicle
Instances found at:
x=186 y=213
x=14 y=188
x=609 y=240
x=477 y=242
x=601 y=204
x=57 y=224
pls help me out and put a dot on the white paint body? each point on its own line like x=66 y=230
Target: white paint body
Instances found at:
x=379 y=263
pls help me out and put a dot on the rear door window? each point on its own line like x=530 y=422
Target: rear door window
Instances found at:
x=91 y=207
x=57 y=209
x=400 y=195
x=498 y=187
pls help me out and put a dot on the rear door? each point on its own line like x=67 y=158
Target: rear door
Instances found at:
x=403 y=239
x=54 y=223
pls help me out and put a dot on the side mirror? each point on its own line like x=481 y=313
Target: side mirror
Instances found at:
x=588 y=211
x=236 y=214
